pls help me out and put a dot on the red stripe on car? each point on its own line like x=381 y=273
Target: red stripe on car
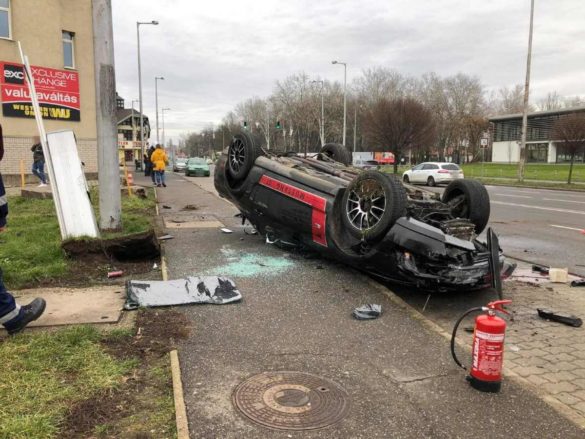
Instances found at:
x=318 y=215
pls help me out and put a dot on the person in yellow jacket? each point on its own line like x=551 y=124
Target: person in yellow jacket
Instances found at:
x=159 y=162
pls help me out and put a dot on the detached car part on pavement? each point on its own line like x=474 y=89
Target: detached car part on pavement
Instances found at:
x=369 y=220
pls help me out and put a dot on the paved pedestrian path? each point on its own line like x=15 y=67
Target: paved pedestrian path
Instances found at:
x=296 y=316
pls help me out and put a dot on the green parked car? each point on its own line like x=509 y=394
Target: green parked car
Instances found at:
x=197 y=167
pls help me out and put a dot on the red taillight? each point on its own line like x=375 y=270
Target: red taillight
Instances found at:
x=443 y=171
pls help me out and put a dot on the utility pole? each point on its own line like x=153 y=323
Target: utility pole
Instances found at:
x=156 y=78
x=344 y=97
x=138 y=23
x=108 y=167
x=354 y=126
x=522 y=161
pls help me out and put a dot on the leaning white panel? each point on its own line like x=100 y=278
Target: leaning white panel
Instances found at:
x=70 y=186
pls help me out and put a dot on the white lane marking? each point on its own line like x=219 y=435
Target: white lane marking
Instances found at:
x=539 y=192
x=515 y=196
x=528 y=206
x=564 y=201
x=565 y=227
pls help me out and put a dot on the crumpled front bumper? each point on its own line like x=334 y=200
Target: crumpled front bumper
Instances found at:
x=431 y=259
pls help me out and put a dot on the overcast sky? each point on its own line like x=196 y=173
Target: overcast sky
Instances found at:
x=214 y=54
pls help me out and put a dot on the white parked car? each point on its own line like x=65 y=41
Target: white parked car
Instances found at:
x=433 y=173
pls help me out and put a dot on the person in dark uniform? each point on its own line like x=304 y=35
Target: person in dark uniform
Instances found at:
x=13 y=316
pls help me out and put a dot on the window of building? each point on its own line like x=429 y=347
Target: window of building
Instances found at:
x=5 y=31
x=68 y=50
x=537 y=152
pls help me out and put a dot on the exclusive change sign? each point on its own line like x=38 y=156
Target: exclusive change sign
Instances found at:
x=57 y=92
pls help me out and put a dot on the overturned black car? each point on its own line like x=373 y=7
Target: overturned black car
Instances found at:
x=367 y=219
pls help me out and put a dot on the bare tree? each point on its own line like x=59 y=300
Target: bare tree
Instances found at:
x=552 y=101
x=399 y=124
x=475 y=126
x=569 y=131
x=575 y=101
x=510 y=100
x=378 y=83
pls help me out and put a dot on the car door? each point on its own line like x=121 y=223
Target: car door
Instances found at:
x=428 y=171
x=415 y=173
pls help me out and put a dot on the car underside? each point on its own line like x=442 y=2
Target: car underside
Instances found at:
x=367 y=219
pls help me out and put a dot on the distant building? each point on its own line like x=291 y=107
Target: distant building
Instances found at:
x=57 y=36
x=540 y=146
x=128 y=119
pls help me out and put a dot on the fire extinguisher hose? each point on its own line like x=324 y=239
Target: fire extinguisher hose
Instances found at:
x=454 y=335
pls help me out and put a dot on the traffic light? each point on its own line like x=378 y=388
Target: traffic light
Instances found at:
x=278 y=126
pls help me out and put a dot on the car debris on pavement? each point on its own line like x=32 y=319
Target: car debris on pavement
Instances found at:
x=578 y=283
x=367 y=312
x=226 y=230
x=558 y=275
x=165 y=237
x=566 y=319
x=366 y=219
x=192 y=289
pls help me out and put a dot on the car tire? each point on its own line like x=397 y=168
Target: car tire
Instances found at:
x=406 y=179
x=337 y=152
x=469 y=199
x=243 y=151
x=369 y=219
x=431 y=182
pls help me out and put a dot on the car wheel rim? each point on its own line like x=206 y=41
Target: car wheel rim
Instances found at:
x=366 y=204
x=237 y=155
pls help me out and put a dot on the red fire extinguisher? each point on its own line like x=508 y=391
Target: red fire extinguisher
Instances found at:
x=487 y=352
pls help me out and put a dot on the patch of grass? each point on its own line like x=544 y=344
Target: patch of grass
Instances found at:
x=155 y=409
x=30 y=248
x=44 y=373
x=549 y=174
x=137 y=213
x=579 y=187
x=533 y=171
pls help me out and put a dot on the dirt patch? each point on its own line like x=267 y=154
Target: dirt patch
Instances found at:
x=132 y=247
x=93 y=268
x=157 y=332
x=190 y=207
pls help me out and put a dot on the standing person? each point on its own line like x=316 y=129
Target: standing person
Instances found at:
x=150 y=163
x=159 y=160
x=146 y=162
x=13 y=316
x=38 y=167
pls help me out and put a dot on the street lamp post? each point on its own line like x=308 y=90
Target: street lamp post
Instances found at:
x=134 y=125
x=156 y=78
x=163 y=132
x=163 y=124
x=522 y=158
x=322 y=113
x=344 y=96
x=354 y=126
x=138 y=23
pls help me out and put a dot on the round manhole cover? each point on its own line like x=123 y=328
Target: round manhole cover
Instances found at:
x=291 y=400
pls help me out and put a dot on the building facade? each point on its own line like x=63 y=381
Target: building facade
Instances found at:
x=57 y=37
x=540 y=146
x=129 y=143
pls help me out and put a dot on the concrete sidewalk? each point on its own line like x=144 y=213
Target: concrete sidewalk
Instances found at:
x=296 y=316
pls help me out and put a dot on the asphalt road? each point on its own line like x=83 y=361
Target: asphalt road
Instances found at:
x=296 y=315
x=540 y=225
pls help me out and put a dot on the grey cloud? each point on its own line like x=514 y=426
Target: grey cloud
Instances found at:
x=215 y=54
